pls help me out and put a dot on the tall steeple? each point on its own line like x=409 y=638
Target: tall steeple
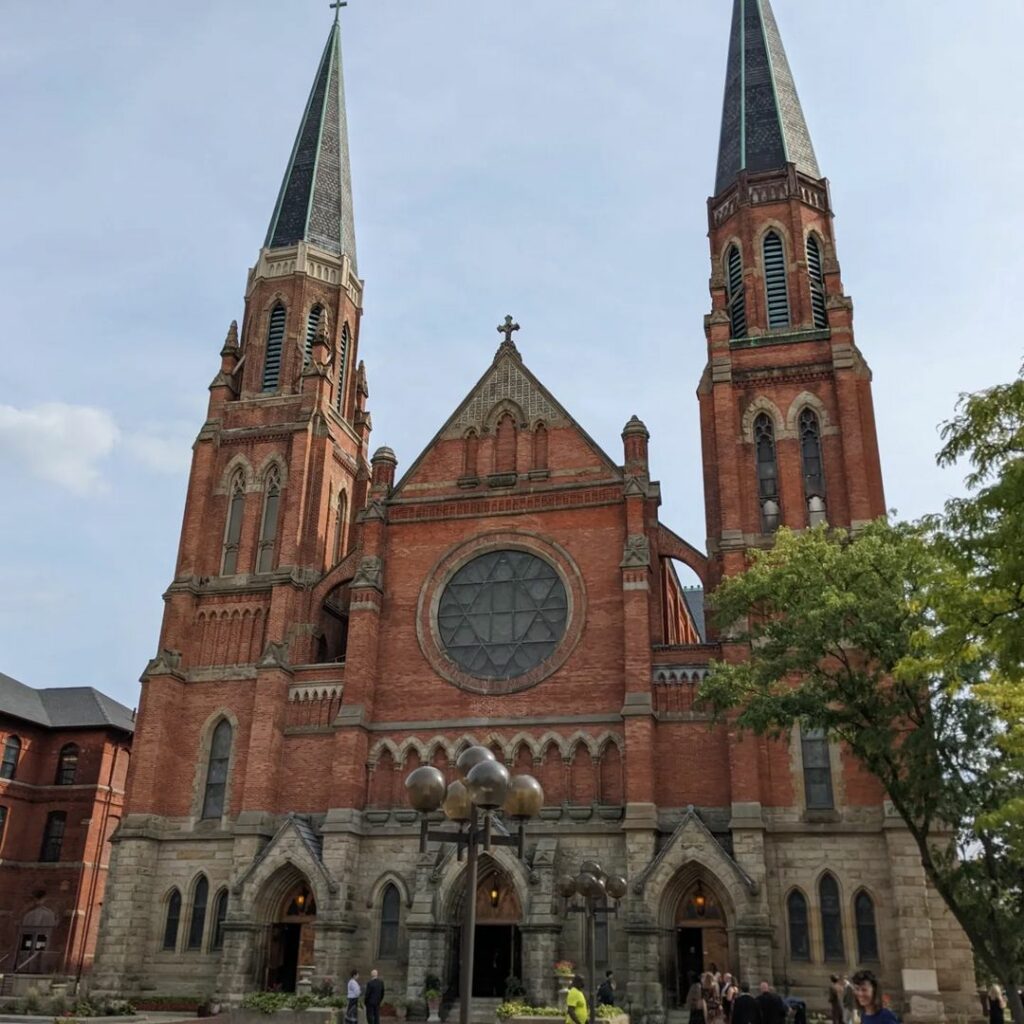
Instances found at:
x=763 y=126
x=315 y=201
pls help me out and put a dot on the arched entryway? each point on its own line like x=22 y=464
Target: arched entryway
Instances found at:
x=498 y=952
x=35 y=953
x=290 y=932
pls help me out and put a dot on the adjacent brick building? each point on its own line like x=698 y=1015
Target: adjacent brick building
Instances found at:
x=332 y=625
x=63 y=762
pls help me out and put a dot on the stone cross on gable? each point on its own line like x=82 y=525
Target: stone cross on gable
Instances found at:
x=507 y=328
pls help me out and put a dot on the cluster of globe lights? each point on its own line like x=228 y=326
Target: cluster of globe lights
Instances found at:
x=488 y=786
x=592 y=884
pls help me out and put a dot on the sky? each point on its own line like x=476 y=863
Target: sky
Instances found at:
x=545 y=158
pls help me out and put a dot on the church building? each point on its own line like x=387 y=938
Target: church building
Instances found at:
x=336 y=621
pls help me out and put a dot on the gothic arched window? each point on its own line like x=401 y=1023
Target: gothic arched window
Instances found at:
x=67 y=765
x=813 y=466
x=775 y=280
x=767 y=473
x=197 y=922
x=172 y=920
x=233 y=528
x=831 y=918
x=275 y=344
x=735 y=294
x=220 y=913
x=340 y=520
x=312 y=326
x=12 y=751
x=817 y=280
x=53 y=837
x=342 y=361
x=540 y=447
x=390 y=914
x=268 y=528
x=215 y=789
x=470 y=454
x=505 y=445
x=799 y=933
x=817 y=770
x=867 y=933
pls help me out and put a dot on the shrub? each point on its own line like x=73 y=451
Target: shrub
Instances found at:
x=520 y=1009
x=606 y=1011
x=266 y=1002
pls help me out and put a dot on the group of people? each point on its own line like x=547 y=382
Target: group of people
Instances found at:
x=372 y=998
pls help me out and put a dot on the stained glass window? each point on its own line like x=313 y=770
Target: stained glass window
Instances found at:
x=217 y=770
x=831 y=918
x=390 y=914
x=799 y=936
x=173 y=917
x=867 y=933
x=502 y=614
x=198 y=920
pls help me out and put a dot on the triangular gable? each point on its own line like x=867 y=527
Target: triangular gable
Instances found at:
x=507 y=380
x=295 y=836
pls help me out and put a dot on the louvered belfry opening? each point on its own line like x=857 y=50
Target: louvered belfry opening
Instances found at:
x=775 y=281
x=312 y=326
x=343 y=343
x=817 y=280
x=736 y=296
x=275 y=344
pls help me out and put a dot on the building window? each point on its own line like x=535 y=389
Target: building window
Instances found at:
x=67 y=765
x=197 y=922
x=233 y=530
x=275 y=344
x=813 y=466
x=767 y=473
x=220 y=913
x=390 y=912
x=817 y=770
x=867 y=933
x=53 y=837
x=268 y=529
x=799 y=934
x=735 y=295
x=831 y=918
x=3 y=824
x=817 y=279
x=775 y=281
x=173 y=918
x=217 y=771
x=340 y=519
x=312 y=326
x=12 y=751
x=343 y=345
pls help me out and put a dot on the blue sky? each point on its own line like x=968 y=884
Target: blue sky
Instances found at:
x=540 y=158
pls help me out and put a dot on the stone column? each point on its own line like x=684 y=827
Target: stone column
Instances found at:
x=644 y=991
x=243 y=945
x=540 y=951
x=752 y=930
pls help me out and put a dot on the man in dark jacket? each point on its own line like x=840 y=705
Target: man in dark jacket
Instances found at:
x=769 y=1002
x=373 y=997
x=606 y=990
x=745 y=1009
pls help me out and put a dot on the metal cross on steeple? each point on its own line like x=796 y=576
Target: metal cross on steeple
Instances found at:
x=507 y=328
x=336 y=7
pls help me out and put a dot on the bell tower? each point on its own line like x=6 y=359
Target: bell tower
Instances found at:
x=281 y=461
x=787 y=420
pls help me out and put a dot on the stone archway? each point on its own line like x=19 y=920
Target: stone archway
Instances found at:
x=290 y=933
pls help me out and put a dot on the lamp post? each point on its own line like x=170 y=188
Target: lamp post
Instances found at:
x=593 y=885
x=471 y=804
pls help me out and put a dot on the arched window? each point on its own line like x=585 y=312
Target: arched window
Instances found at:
x=275 y=343
x=312 y=326
x=799 y=934
x=340 y=522
x=813 y=467
x=831 y=918
x=470 y=454
x=53 y=837
x=735 y=294
x=867 y=933
x=217 y=771
x=3 y=824
x=233 y=528
x=505 y=445
x=540 y=447
x=268 y=529
x=12 y=751
x=172 y=920
x=775 y=280
x=817 y=770
x=817 y=279
x=197 y=922
x=342 y=360
x=67 y=765
x=390 y=913
x=767 y=473
x=220 y=914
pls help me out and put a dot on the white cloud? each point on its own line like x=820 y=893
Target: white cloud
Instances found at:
x=69 y=444
x=62 y=444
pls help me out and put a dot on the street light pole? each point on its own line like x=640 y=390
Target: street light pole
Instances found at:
x=472 y=804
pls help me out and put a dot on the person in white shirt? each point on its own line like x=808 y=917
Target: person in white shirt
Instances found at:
x=354 y=992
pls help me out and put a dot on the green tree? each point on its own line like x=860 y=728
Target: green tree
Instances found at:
x=872 y=637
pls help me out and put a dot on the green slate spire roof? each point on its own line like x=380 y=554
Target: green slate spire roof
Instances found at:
x=315 y=201
x=763 y=126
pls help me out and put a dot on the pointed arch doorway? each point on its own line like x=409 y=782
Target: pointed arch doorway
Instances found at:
x=291 y=937
x=701 y=936
x=498 y=951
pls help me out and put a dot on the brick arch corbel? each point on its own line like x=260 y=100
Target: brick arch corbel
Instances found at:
x=578 y=739
x=758 y=405
x=671 y=545
x=273 y=459
x=606 y=739
x=505 y=405
x=522 y=739
x=552 y=737
x=378 y=749
x=412 y=743
x=389 y=878
x=235 y=463
x=808 y=400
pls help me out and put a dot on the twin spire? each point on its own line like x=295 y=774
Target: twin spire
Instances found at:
x=763 y=129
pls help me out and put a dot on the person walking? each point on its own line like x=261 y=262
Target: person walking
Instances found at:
x=769 y=1002
x=606 y=990
x=835 y=999
x=996 y=1004
x=373 y=997
x=869 y=999
x=576 y=1002
x=744 y=1007
x=354 y=992
x=696 y=1004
